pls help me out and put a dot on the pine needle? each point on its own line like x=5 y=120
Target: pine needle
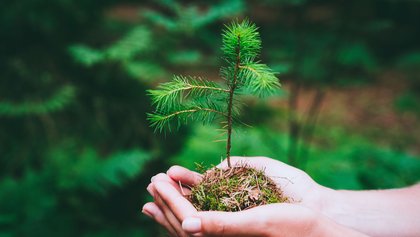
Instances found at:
x=188 y=98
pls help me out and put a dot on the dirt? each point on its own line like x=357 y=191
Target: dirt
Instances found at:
x=235 y=189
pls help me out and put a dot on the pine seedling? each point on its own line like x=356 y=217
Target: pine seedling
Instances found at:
x=188 y=98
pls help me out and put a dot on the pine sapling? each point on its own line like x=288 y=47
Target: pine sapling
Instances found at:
x=188 y=98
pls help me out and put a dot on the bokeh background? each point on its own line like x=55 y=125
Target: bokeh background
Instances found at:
x=76 y=150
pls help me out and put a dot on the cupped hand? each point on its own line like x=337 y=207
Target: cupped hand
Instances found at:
x=295 y=184
x=161 y=210
x=269 y=220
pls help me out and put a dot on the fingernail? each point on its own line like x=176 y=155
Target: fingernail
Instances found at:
x=149 y=189
x=192 y=225
x=153 y=177
x=147 y=213
x=169 y=170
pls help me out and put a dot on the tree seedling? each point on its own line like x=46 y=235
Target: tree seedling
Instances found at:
x=192 y=98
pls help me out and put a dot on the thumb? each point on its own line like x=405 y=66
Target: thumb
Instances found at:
x=212 y=223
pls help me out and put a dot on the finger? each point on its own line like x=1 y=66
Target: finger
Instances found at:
x=164 y=177
x=258 y=221
x=244 y=223
x=170 y=217
x=178 y=204
x=150 y=189
x=185 y=176
x=152 y=210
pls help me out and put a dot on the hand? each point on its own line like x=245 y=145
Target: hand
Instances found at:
x=159 y=209
x=393 y=212
x=295 y=183
x=269 y=220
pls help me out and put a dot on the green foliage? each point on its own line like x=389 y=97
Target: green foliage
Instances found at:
x=191 y=18
x=248 y=141
x=356 y=55
x=56 y=102
x=170 y=95
x=137 y=41
x=146 y=50
x=86 y=55
x=409 y=61
x=359 y=164
x=342 y=161
x=169 y=100
x=409 y=101
x=191 y=98
x=203 y=112
x=93 y=173
x=242 y=37
x=52 y=195
x=241 y=46
x=129 y=51
x=259 y=79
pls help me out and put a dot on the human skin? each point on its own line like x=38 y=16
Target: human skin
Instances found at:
x=387 y=213
x=376 y=213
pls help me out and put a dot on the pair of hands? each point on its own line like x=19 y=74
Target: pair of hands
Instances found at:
x=301 y=218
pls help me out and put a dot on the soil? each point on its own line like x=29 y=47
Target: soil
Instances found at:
x=235 y=189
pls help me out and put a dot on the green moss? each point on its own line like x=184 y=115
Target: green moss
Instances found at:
x=235 y=189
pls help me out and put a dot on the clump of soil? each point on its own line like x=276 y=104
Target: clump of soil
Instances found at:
x=235 y=189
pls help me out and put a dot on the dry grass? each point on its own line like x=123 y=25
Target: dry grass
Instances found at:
x=235 y=189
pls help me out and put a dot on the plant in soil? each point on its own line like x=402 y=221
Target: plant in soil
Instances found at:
x=187 y=98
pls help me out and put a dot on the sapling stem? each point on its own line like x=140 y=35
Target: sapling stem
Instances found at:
x=232 y=88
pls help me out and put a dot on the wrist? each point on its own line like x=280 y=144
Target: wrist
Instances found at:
x=325 y=201
x=344 y=208
x=330 y=202
x=327 y=227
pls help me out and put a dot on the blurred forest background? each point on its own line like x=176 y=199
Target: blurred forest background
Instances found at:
x=76 y=151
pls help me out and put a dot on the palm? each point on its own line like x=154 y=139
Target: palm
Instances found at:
x=295 y=183
x=181 y=219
